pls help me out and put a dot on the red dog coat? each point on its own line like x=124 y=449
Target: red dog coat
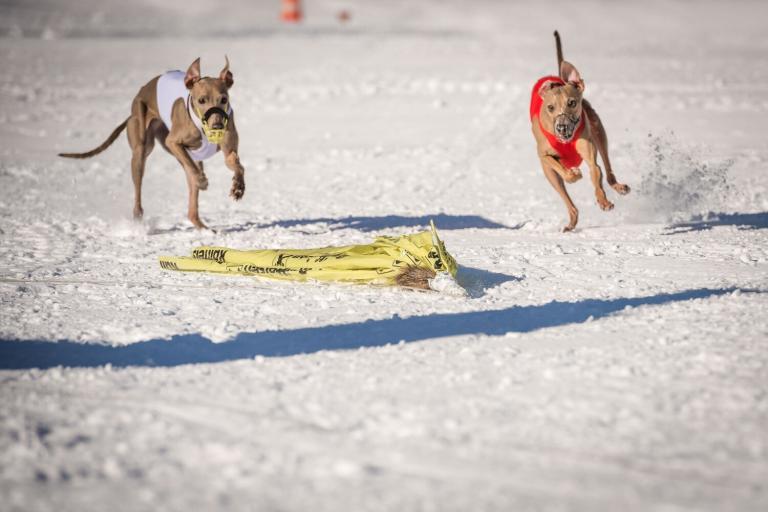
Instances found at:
x=569 y=157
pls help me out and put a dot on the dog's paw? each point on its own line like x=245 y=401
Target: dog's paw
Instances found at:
x=199 y=224
x=238 y=188
x=573 y=219
x=621 y=188
x=573 y=175
x=202 y=182
x=605 y=204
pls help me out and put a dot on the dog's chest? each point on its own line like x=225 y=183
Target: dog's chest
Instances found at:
x=567 y=152
x=170 y=87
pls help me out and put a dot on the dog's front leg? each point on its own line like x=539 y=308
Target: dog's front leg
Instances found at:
x=569 y=175
x=232 y=161
x=195 y=181
x=588 y=152
x=557 y=183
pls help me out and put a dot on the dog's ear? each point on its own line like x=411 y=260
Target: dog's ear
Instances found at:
x=548 y=86
x=193 y=74
x=570 y=74
x=226 y=74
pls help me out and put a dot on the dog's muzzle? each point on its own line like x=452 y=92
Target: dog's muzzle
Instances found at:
x=214 y=135
x=565 y=125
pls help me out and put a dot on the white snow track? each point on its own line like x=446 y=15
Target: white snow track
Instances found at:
x=620 y=367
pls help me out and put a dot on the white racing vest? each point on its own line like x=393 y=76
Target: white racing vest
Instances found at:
x=170 y=87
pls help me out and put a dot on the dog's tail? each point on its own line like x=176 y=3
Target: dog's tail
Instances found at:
x=115 y=133
x=559 y=47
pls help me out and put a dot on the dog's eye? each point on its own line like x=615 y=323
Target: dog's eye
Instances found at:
x=224 y=100
x=551 y=108
x=571 y=103
x=201 y=100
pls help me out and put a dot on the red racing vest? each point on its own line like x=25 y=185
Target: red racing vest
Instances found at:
x=569 y=157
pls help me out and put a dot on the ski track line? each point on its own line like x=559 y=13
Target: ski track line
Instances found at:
x=137 y=284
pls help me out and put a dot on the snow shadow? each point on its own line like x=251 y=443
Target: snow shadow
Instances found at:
x=190 y=349
x=743 y=221
x=377 y=223
x=477 y=281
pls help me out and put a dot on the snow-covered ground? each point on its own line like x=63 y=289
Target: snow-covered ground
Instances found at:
x=623 y=366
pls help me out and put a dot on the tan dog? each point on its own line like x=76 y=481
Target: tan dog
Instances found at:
x=568 y=130
x=192 y=119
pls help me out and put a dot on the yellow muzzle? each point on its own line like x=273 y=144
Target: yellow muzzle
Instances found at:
x=214 y=135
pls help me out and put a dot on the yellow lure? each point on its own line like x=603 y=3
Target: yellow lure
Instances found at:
x=386 y=261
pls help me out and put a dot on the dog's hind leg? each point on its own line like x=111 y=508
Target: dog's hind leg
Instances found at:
x=601 y=142
x=141 y=146
x=557 y=183
x=193 y=174
x=161 y=132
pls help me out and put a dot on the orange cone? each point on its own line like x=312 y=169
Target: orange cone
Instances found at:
x=291 y=11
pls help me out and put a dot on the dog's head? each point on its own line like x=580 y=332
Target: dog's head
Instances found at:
x=561 y=109
x=208 y=93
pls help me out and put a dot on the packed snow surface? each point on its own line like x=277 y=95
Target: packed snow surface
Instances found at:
x=620 y=367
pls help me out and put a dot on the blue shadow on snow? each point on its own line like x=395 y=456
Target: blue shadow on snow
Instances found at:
x=743 y=221
x=189 y=349
x=377 y=223
x=477 y=281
